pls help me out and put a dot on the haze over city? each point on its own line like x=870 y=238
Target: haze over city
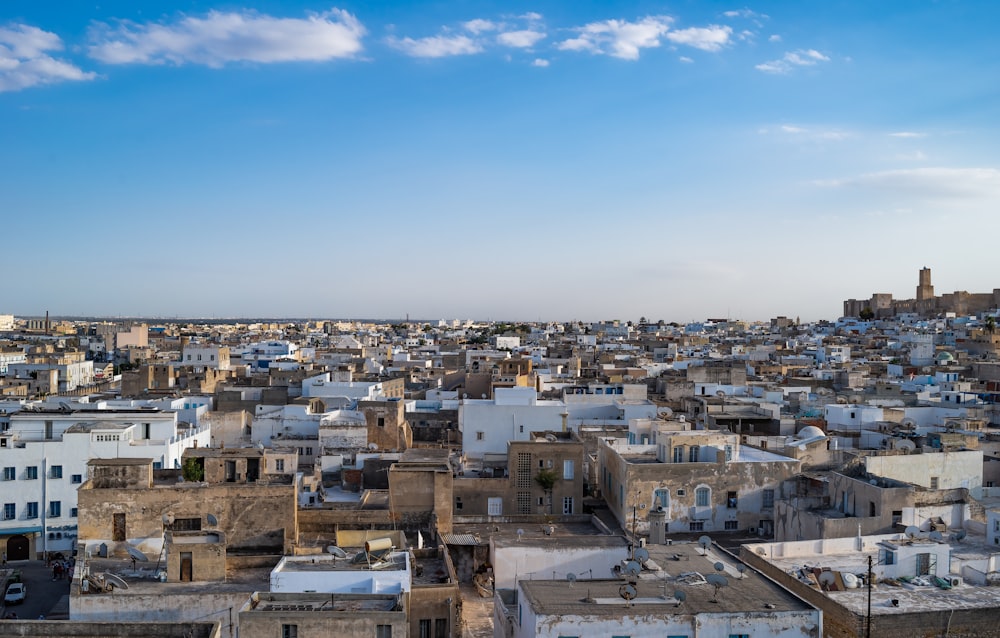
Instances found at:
x=494 y=160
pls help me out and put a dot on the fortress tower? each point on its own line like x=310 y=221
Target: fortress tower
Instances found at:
x=925 y=290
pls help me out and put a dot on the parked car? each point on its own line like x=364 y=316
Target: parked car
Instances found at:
x=15 y=594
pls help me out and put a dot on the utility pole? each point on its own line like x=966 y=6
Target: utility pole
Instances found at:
x=868 y=630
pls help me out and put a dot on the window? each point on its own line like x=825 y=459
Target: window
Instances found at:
x=56 y=472
x=76 y=478
x=567 y=505
x=383 y=631
x=480 y=436
x=702 y=497
x=289 y=631
x=732 y=526
x=72 y=512
x=9 y=473
x=524 y=502
x=768 y=499
x=541 y=500
x=934 y=482
x=186 y=524
x=425 y=628
x=458 y=506
x=9 y=511
x=494 y=506
x=55 y=509
x=681 y=492
x=661 y=498
x=696 y=526
x=679 y=454
x=729 y=453
x=32 y=511
x=739 y=635
x=568 y=470
x=440 y=628
x=279 y=465
x=693 y=454
x=381 y=424
x=31 y=472
x=731 y=500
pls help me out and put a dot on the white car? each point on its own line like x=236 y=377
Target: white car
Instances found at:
x=15 y=594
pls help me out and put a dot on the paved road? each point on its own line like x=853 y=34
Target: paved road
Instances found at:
x=44 y=594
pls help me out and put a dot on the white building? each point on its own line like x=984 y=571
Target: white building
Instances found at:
x=44 y=457
x=201 y=356
x=514 y=414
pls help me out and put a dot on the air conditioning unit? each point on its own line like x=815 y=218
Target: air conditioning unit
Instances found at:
x=954 y=581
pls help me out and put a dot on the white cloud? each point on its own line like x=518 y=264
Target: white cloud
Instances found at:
x=618 y=38
x=25 y=61
x=219 y=38
x=742 y=13
x=438 y=46
x=792 y=60
x=774 y=38
x=531 y=16
x=787 y=128
x=685 y=59
x=907 y=134
x=915 y=156
x=477 y=26
x=520 y=39
x=541 y=62
x=938 y=183
x=710 y=38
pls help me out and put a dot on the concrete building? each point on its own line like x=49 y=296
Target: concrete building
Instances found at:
x=515 y=414
x=45 y=455
x=662 y=598
x=700 y=481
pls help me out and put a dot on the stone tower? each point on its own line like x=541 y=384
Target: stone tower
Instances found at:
x=924 y=289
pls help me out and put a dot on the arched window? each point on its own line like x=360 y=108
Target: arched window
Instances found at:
x=661 y=498
x=702 y=497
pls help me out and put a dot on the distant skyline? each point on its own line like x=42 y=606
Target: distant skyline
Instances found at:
x=504 y=160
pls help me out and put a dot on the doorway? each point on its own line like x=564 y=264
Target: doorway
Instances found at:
x=18 y=547
x=118 y=528
x=187 y=567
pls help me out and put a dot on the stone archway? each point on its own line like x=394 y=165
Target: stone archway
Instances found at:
x=18 y=547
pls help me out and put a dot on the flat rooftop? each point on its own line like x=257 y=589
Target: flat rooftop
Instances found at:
x=328 y=563
x=673 y=568
x=560 y=534
x=910 y=597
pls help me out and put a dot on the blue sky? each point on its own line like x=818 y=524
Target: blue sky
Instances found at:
x=585 y=160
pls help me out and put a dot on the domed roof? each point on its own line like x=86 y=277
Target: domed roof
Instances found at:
x=945 y=356
x=808 y=432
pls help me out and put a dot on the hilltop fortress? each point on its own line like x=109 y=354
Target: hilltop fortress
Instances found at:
x=926 y=304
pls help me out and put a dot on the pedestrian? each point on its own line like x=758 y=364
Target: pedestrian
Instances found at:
x=5 y=559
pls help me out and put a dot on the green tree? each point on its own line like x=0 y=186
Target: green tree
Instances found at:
x=866 y=314
x=192 y=470
x=546 y=479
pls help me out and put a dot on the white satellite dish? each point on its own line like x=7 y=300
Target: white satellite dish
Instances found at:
x=113 y=581
x=705 y=543
x=571 y=578
x=911 y=531
x=936 y=536
x=632 y=568
x=680 y=597
x=168 y=519
x=827 y=579
x=336 y=551
x=135 y=553
x=642 y=554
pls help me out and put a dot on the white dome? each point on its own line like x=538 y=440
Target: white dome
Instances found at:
x=809 y=432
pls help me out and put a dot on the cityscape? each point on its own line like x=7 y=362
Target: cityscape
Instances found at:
x=499 y=320
x=474 y=478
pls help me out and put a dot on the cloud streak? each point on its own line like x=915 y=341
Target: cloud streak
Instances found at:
x=437 y=46
x=618 y=38
x=220 y=38
x=792 y=60
x=25 y=60
x=936 y=183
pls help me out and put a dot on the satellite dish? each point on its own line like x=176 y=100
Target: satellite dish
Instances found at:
x=642 y=554
x=628 y=591
x=911 y=531
x=168 y=519
x=632 y=568
x=705 y=543
x=827 y=579
x=665 y=413
x=520 y=533
x=908 y=423
x=720 y=393
x=717 y=581
x=719 y=567
x=571 y=578
x=373 y=446
x=960 y=534
x=336 y=551
x=680 y=597
x=642 y=506
x=210 y=518
x=113 y=581
x=936 y=536
x=136 y=554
